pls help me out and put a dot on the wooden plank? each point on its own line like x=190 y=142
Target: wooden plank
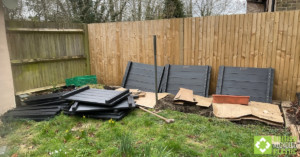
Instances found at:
x=39 y=89
x=240 y=59
x=287 y=122
x=263 y=29
x=44 y=30
x=295 y=131
x=86 y=48
x=265 y=52
x=37 y=60
x=181 y=42
x=235 y=41
x=200 y=43
x=297 y=64
x=283 y=54
x=196 y=33
x=252 y=44
x=227 y=41
x=257 y=41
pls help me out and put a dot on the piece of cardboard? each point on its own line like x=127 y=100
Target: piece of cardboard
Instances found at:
x=230 y=110
x=256 y=119
x=149 y=99
x=264 y=112
x=203 y=101
x=184 y=95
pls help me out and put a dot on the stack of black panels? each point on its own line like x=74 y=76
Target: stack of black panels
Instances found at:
x=100 y=103
x=196 y=78
x=254 y=82
x=142 y=76
x=38 y=108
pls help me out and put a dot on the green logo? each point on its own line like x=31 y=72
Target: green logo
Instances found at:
x=262 y=145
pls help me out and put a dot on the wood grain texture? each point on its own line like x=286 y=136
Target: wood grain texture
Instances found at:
x=45 y=54
x=251 y=40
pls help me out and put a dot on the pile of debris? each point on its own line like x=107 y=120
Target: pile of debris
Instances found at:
x=100 y=103
x=243 y=94
x=186 y=102
x=38 y=108
x=93 y=103
x=253 y=87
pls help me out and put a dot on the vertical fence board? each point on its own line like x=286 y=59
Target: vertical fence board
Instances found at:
x=250 y=40
x=36 y=52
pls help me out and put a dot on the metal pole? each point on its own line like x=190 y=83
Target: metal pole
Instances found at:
x=155 y=69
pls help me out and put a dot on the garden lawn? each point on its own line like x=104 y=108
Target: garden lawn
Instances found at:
x=138 y=134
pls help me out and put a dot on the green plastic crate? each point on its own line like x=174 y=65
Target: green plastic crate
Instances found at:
x=81 y=80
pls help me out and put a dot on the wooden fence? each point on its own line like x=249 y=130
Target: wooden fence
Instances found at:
x=249 y=40
x=45 y=54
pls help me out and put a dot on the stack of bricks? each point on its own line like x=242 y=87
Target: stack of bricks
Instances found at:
x=283 y=5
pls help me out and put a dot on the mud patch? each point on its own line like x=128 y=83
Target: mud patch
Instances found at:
x=167 y=103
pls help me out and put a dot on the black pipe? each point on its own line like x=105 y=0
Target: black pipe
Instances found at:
x=155 y=68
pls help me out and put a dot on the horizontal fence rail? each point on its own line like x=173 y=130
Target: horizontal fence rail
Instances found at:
x=45 y=54
x=259 y=40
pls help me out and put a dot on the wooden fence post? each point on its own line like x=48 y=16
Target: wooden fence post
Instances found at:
x=86 y=48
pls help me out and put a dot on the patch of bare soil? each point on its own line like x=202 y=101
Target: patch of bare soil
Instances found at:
x=167 y=103
x=294 y=113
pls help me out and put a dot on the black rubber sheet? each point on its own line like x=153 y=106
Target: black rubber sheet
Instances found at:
x=254 y=82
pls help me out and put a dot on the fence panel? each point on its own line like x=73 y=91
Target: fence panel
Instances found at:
x=259 y=40
x=44 y=54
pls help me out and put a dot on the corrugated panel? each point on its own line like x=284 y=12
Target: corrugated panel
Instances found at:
x=195 y=78
x=98 y=96
x=254 y=82
x=141 y=76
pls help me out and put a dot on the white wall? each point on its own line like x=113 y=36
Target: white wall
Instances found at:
x=7 y=99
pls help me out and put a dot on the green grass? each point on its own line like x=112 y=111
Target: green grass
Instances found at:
x=138 y=134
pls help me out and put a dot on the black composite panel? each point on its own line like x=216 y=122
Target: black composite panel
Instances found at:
x=141 y=76
x=36 y=112
x=196 y=78
x=98 y=96
x=41 y=99
x=124 y=104
x=254 y=82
